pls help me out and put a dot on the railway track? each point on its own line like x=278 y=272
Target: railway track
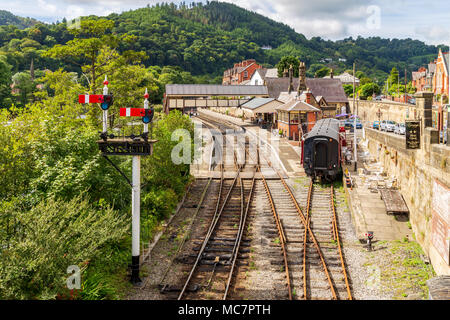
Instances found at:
x=214 y=256
x=304 y=248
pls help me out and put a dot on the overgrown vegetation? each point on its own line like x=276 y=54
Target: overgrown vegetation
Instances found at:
x=61 y=203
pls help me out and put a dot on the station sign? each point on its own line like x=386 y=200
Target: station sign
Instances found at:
x=412 y=134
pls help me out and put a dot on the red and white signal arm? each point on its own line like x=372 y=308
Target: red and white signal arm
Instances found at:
x=132 y=112
x=90 y=98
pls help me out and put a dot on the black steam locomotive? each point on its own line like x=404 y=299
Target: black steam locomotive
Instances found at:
x=321 y=150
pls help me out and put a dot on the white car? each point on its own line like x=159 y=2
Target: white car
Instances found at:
x=399 y=128
x=387 y=125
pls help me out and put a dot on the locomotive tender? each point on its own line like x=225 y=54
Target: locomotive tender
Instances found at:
x=321 y=150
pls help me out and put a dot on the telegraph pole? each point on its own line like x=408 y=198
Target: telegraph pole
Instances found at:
x=405 y=86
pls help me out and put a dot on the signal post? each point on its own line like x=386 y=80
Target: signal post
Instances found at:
x=135 y=146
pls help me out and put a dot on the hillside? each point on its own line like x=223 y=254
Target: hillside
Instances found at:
x=7 y=18
x=206 y=39
x=210 y=38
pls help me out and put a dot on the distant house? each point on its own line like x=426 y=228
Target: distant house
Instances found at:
x=419 y=79
x=258 y=77
x=342 y=60
x=330 y=90
x=240 y=72
x=261 y=74
x=441 y=75
x=266 y=47
x=346 y=78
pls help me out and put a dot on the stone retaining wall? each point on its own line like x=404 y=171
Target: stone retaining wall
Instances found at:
x=399 y=112
x=415 y=171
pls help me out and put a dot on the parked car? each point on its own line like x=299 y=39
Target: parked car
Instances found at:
x=387 y=125
x=443 y=135
x=412 y=101
x=349 y=124
x=378 y=98
x=376 y=125
x=399 y=128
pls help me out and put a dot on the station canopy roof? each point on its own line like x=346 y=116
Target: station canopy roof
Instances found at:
x=257 y=102
x=214 y=90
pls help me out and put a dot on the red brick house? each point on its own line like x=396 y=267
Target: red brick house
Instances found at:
x=240 y=73
x=419 y=79
x=440 y=79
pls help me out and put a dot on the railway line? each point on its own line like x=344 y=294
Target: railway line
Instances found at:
x=302 y=245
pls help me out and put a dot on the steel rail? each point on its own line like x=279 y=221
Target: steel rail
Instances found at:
x=280 y=232
x=313 y=238
x=305 y=239
x=187 y=233
x=212 y=227
x=336 y=231
x=240 y=237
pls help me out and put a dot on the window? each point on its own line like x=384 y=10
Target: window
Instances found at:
x=245 y=74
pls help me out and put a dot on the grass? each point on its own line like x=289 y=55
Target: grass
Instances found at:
x=402 y=270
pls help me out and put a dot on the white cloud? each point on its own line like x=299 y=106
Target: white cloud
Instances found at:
x=49 y=8
x=329 y=19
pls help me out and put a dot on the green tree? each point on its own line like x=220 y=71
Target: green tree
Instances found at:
x=25 y=85
x=368 y=90
x=84 y=50
x=322 y=72
x=285 y=63
x=5 y=83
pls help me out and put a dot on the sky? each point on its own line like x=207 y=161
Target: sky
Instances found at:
x=426 y=20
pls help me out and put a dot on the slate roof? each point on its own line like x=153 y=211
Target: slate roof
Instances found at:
x=214 y=90
x=446 y=57
x=344 y=77
x=272 y=73
x=418 y=75
x=257 y=102
x=330 y=89
x=297 y=105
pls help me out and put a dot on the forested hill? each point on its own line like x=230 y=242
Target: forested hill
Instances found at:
x=209 y=38
x=7 y=18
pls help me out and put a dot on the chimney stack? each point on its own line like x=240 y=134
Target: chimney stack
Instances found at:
x=291 y=74
x=308 y=95
x=301 y=78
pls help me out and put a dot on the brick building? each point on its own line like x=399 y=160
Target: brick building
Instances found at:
x=419 y=79
x=241 y=72
x=440 y=79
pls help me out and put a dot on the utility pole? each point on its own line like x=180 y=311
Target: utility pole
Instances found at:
x=405 y=86
x=355 y=112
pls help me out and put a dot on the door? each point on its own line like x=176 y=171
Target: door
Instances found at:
x=320 y=154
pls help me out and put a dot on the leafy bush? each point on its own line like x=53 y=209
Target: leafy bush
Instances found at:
x=49 y=238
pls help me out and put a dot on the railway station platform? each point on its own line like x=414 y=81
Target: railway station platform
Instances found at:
x=367 y=207
x=288 y=155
